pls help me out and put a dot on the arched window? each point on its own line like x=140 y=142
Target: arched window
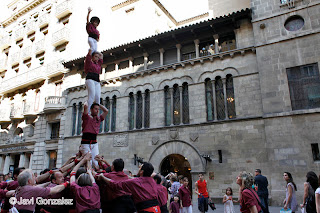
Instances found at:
x=147 y=109
x=167 y=106
x=131 y=111
x=176 y=105
x=185 y=103
x=107 y=120
x=230 y=97
x=79 y=118
x=74 y=118
x=139 y=111
x=209 y=100
x=220 y=99
x=114 y=113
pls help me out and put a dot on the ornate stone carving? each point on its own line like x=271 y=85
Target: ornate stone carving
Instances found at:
x=173 y=134
x=155 y=139
x=194 y=136
x=120 y=140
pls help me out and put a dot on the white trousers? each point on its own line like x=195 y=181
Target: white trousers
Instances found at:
x=94 y=92
x=93 y=44
x=187 y=209
x=93 y=149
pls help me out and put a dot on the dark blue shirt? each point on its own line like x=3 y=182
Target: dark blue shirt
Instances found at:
x=262 y=183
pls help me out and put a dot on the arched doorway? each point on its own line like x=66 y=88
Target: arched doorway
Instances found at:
x=176 y=163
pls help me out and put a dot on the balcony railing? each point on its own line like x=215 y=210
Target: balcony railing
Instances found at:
x=19 y=33
x=5 y=41
x=26 y=52
x=30 y=27
x=53 y=103
x=64 y=9
x=228 y=45
x=23 y=80
x=55 y=68
x=15 y=58
x=61 y=36
x=39 y=47
x=44 y=20
x=188 y=56
x=16 y=113
x=3 y=64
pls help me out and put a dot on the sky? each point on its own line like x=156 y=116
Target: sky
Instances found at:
x=179 y=9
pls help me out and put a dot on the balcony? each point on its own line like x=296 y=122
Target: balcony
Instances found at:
x=44 y=20
x=55 y=68
x=5 y=42
x=28 y=110
x=16 y=113
x=61 y=36
x=30 y=27
x=23 y=80
x=19 y=33
x=39 y=47
x=64 y=9
x=54 y=103
x=4 y=115
x=15 y=58
x=3 y=64
x=26 y=52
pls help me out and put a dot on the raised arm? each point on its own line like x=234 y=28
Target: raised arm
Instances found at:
x=45 y=176
x=104 y=110
x=75 y=169
x=100 y=56
x=85 y=108
x=89 y=11
x=89 y=171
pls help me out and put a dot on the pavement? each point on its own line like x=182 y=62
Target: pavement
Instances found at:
x=220 y=209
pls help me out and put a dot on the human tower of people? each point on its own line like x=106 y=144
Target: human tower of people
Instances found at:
x=86 y=183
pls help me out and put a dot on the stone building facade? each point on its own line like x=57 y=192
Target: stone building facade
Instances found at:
x=231 y=93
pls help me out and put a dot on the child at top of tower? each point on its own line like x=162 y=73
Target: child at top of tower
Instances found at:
x=92 y=31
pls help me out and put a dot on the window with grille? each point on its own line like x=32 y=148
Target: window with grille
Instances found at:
x=315 y=151
x=185 y=103
x=304 y=86
x=55 y=128
x=74 y=118
x=139 y=111
x=230 y=97
x=167 y=106
x=220 y=99
x=114 y=113
x=107 y=120
x=147 y=109
x=131 y=111
x=79 y=118
x=176 y=105
x=209 y=100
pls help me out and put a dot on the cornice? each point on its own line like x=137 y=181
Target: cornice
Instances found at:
x=123 y=4
x=21 y=12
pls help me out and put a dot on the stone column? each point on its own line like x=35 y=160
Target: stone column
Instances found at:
x=143 y=108
x=6 y=164
x=31 y=161
x=145 y=60
x=225 y=98
x=131 y=64
x=110 y=111
x=180 y=90
x=214 y=99
x=196 y=45
x=161 y=56
x=1 y=163
x=171 y=113
x=178 y=52
x=22 y=160
x=134 y=111
x=216 y=43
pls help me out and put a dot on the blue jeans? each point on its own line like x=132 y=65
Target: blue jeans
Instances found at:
x=264 y=202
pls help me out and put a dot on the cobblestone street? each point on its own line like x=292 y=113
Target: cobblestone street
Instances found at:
x=272 y=209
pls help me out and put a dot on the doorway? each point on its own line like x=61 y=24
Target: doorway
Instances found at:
x=177 y=164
